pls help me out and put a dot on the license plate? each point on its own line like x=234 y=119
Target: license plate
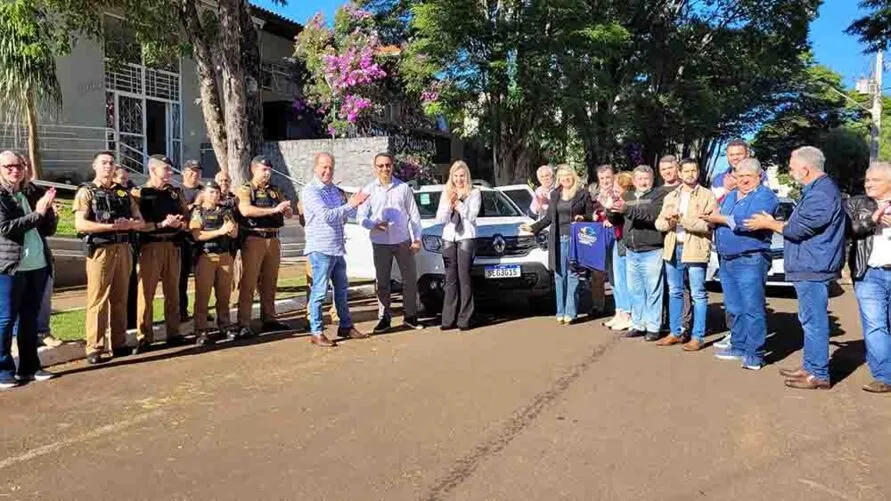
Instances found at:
x=502 y=271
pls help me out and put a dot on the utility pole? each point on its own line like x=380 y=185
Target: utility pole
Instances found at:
x=876 y=110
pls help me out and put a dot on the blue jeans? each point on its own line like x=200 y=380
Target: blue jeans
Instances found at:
x=813 y=301
x=620 y=282
x=645 y=289
x=327 y=268
x=16 y=304
x=567 y=283
x=677 y=273
x=743 y=278
x=874 y=297
x=46 y=308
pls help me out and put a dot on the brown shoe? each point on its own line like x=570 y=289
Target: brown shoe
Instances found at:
x=796 y=373
x=877 y=387
x=351 y=333
x=669 y=340
x=808 y=382
x=322 y=340
x=693 y=345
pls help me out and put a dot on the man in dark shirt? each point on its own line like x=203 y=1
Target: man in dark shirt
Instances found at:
x=641 y=207
x=191 y=188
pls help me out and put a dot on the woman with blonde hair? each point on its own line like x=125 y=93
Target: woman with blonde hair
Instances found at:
x=569 y=202
x=457 y=212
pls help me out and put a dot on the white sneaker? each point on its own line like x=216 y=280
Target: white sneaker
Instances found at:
x=724 y=343
x=621 y=325
x=8 y=384
x=50 y=341
x=610 y=322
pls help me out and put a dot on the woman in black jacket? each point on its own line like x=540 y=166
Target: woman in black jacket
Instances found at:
x=25 y=222
x=569 y=202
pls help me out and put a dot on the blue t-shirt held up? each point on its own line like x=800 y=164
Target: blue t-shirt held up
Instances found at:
x=588 y=245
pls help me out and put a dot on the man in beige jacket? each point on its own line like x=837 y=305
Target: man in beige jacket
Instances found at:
x=688 y=243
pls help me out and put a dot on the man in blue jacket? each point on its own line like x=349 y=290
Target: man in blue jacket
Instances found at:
x=744 y=261
x=814 y=242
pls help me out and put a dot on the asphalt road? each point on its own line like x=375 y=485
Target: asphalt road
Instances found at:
x=520 y=410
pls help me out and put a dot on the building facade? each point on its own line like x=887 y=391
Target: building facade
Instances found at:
x=112 y=99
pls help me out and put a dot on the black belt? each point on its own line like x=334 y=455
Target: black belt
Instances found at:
x=262 y=233
x=169 y=237
x=111 y=239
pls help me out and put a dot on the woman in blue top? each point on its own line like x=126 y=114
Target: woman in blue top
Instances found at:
x=24 y=268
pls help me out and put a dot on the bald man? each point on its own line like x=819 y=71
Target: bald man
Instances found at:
x=164 y=209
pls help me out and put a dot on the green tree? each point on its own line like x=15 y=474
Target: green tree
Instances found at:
x=819 y=112
x=494 y=62
x=28 y=82
x=220 y=37
x=874 y=29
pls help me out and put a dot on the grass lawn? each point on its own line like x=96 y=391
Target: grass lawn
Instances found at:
x=69 y=325
x=66 y=220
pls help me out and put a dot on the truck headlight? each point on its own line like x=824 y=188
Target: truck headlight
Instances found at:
x=432 y=243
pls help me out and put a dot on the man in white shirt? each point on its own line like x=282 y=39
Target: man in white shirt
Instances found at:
x=392 y=217
x=869 y=228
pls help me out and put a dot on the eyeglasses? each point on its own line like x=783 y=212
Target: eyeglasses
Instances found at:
x=13 y=166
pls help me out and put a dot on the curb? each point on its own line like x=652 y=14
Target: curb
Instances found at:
x=74 y=350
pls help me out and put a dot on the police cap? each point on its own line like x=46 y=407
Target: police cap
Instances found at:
x=261 y=160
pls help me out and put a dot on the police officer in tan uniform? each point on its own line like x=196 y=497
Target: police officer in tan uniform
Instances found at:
x=105 y=215
x=164 y=210
x=214 y=231
x=230 y=201
x=191 y=188
x=262 y=211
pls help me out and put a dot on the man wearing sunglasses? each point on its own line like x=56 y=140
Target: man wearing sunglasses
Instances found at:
x=392 y=217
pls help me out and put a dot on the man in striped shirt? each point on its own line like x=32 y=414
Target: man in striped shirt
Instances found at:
x=325 y=215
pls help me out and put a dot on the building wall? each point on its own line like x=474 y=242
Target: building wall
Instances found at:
x=354 y=158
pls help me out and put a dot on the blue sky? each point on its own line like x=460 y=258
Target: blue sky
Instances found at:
x=832 y=47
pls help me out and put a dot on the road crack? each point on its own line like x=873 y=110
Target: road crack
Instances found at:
x=522 y=419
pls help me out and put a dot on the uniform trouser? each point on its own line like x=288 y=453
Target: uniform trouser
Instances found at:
x=133 y=290
x=187 y=260
x=237 y=268
x=108 y=274
x=261 y=258
x=213 y=270
x=383 y=269
x=457 y=306
x=158 y=261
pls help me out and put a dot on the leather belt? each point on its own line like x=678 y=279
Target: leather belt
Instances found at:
x=262 y=233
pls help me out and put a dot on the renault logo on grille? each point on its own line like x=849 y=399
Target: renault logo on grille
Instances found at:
x=498 y=244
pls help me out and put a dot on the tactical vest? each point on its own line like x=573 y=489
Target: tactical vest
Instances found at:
x=213 y=219
x=107 y=205
x=265 y=198
x=156 y=204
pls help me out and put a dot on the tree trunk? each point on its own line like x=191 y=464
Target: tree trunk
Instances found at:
x=235 y=93
x=250 y=57
x=208 y=85
x=33 y=140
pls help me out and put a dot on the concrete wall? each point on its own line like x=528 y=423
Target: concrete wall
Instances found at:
x=354 y=158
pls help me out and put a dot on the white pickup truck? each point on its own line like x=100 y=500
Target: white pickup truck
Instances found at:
x=508 y=265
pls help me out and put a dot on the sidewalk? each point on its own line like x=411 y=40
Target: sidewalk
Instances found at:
x=75 y=298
